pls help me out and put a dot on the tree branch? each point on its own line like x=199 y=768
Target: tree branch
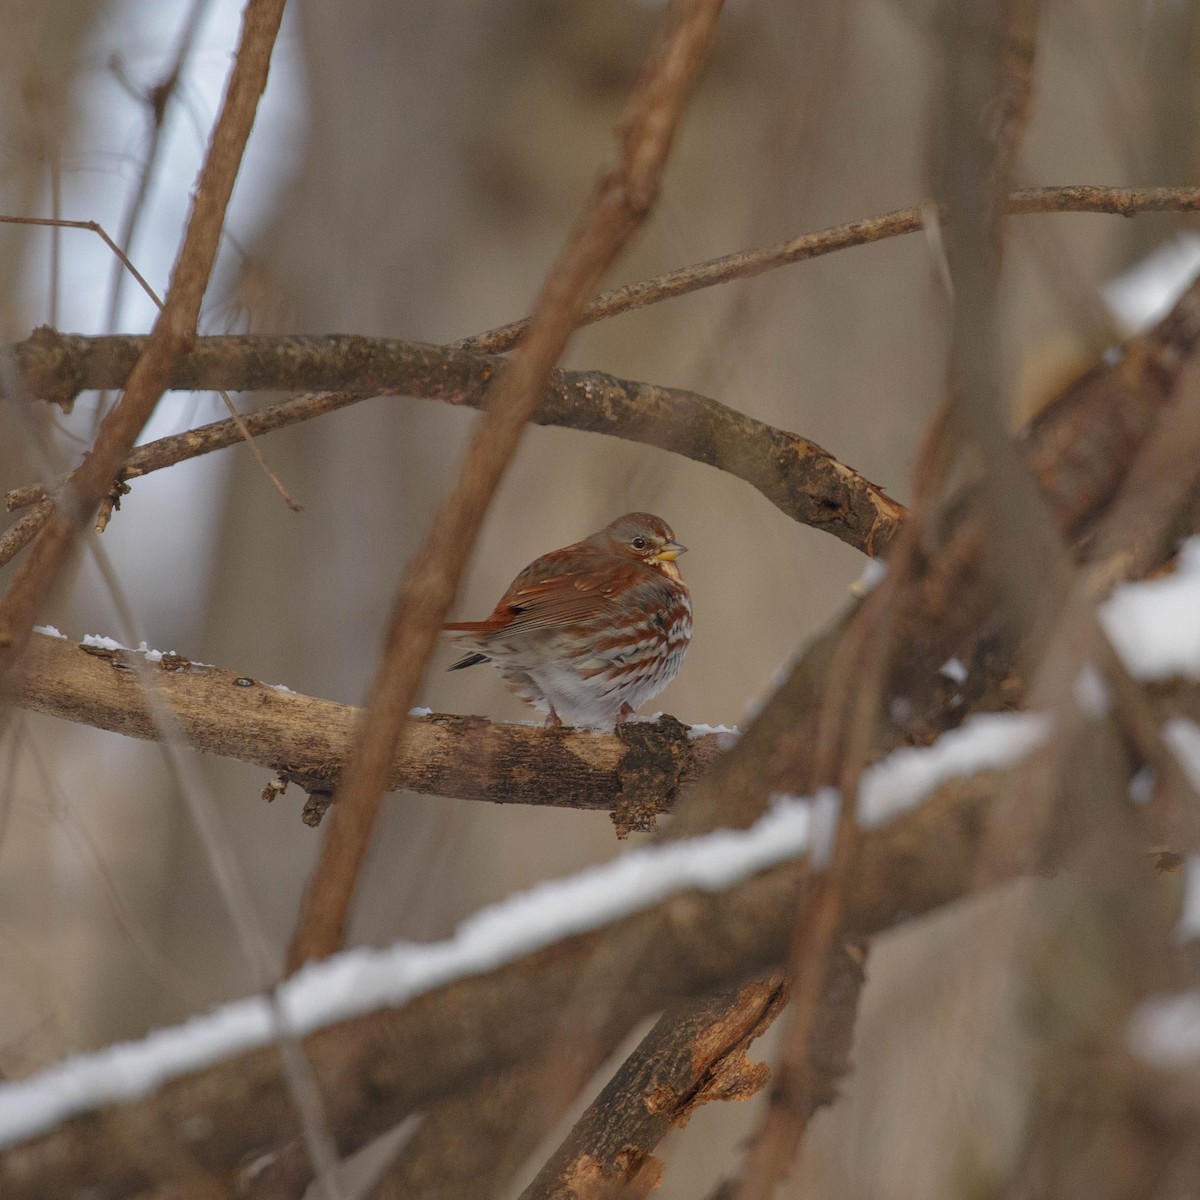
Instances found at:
x=744 y=264
x=308 y=740
x=695 y=1054
x=21 y=532
x=796 y=475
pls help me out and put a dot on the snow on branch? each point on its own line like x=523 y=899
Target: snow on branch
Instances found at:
x=1155 y=624
x=365 y=980
x=985 y=742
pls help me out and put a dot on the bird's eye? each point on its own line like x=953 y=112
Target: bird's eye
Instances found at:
x=638 y=543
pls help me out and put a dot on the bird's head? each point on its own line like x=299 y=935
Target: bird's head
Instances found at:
x=645 y=537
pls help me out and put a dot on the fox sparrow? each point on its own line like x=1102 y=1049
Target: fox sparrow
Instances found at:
x=590 y=632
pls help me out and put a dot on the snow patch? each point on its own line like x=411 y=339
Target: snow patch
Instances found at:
x=49 y=631
x=1155 y=624
x=1183 y=739
x=1141 y=786
x=726 y=734
x=636 y=719
x=99 y=642
x=872 y=575
x=1142 y=295
x=1165 y=1032
x=826 y=811
x=954 y=670
x=1189 y=913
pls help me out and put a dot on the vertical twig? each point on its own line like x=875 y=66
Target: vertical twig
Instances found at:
x=156 y=100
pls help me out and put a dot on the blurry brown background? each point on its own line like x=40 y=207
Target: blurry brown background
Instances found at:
x=415 y=181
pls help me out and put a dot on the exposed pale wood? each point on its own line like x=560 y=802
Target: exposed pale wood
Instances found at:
x=219 y=712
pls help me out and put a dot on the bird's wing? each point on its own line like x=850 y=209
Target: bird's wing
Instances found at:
x=577 y=592
x=569 y=587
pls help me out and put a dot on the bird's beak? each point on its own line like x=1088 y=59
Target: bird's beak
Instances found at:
x=670 y=552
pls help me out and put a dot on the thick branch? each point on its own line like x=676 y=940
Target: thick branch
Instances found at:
x=796 y=475
x=308 y=739
x=695 y=1054
x=376 y=1069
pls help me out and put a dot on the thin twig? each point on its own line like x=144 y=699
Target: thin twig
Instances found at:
x=65 y=401
x=20 y=533
x=156 y=100
x=205 y=439
x=620 y=204
x=1083 y=198
x=92 y=227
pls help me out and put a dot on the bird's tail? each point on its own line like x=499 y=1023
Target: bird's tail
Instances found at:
x=475 y=657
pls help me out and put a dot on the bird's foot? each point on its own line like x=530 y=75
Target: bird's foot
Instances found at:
x=553 y=721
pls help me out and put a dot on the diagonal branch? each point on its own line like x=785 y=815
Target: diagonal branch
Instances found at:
x=695 y=1054
x=22 y=531
x=620 y=204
